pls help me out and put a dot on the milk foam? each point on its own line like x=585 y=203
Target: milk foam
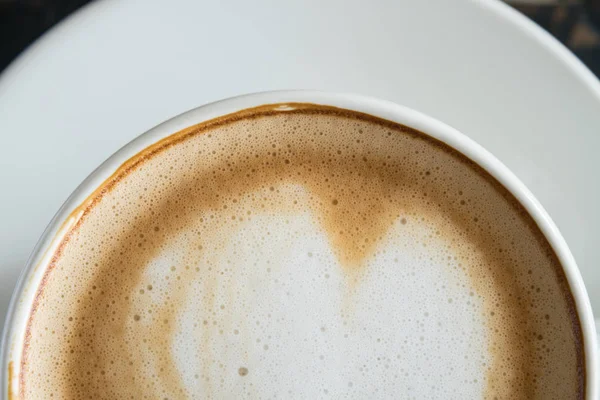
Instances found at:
x=310 y=253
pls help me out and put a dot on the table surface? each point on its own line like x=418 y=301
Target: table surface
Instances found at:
x=116 y=68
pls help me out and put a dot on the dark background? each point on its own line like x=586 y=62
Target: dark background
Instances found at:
x=576 y=23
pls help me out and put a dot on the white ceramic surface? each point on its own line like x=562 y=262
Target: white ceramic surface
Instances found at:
x=119 y=67
x=27 y=288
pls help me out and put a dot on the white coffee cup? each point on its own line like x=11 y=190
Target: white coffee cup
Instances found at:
x=23 y=297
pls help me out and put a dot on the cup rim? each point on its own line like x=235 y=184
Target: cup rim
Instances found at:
x=29 y=280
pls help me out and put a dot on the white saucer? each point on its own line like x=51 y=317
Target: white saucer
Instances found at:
x=119 y=67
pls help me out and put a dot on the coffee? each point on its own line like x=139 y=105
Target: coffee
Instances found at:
x=302 y=251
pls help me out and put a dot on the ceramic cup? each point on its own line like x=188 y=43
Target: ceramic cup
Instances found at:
x=36 y=268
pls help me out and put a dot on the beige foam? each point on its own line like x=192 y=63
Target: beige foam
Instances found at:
x=151 y=240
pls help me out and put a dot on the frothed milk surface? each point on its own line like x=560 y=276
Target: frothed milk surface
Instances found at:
x=306 y=253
